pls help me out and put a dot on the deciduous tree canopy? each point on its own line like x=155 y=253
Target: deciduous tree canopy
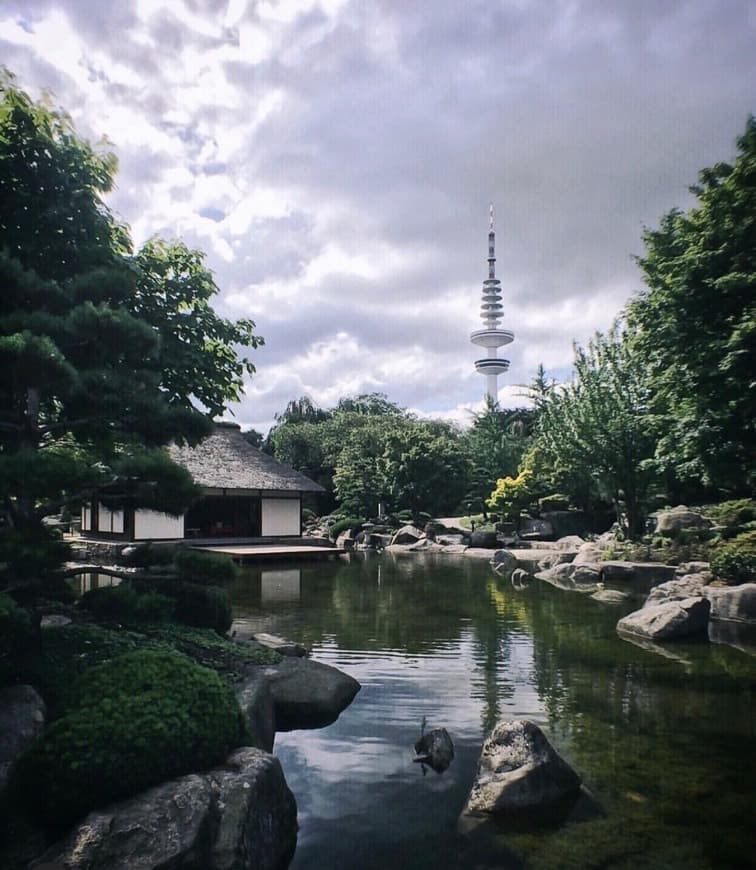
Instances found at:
x=695 y=326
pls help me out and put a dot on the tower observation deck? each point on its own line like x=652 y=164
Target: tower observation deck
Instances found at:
x=491 y=337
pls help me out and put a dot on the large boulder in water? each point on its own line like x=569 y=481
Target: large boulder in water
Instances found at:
x=308 y=694
x=669 y=620
x=733 y=603
x=519 y=772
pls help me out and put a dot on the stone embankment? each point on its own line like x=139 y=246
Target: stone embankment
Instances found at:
x=679 y=600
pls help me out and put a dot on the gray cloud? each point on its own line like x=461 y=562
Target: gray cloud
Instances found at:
x=396 y=124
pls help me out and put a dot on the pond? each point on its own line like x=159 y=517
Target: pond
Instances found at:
x=665 y=743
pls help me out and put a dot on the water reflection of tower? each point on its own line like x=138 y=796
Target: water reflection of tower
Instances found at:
x=491 y=312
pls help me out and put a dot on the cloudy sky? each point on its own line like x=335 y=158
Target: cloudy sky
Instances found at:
x=336 y=159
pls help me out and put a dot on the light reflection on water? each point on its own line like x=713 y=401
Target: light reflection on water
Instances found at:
x=446 y=640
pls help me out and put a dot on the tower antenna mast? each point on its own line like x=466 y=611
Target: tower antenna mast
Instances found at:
x=491 y=337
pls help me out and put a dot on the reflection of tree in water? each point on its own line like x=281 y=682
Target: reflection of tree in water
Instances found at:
x=493 y=631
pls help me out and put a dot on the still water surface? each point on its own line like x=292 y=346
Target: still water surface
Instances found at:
x=665 y=743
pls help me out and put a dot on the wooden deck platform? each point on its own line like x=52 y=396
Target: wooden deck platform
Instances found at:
x=269 y=552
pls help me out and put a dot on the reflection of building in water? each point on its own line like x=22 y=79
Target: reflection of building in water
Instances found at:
x=84 y=582
x=281 y=585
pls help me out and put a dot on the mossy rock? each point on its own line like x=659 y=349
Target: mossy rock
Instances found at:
x=133 y=722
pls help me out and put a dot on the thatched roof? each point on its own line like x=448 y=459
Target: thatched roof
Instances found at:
x=226 y=460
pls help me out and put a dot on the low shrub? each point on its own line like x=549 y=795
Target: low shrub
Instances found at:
x=136 y=721
x=208 y=569
x=735 y=560
x=353 y=523
x=733 y=513
x=128 y=605
x=196 y=605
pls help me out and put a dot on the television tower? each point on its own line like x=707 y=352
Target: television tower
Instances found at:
x=491 y=312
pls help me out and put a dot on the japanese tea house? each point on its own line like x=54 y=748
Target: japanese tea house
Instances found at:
x=246 y=494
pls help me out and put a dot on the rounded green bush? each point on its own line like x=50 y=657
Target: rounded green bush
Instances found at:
x=735 y=560
x=135 y=721
x=208 y=569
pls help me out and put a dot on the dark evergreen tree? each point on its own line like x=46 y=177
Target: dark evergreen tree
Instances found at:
x=104 y=357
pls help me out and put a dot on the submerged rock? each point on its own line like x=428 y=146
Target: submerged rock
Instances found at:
x=610 y=596
x=435 y=748
x=572 y=577
x=519 y=772
x=280 y=644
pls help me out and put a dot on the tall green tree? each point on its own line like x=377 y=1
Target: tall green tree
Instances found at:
x=494 y=446
x=695 y=327
x=103 y=356
x=369 y=450
x=595 y=436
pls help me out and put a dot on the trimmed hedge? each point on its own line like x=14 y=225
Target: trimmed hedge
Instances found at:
x=208 y=569
x=136 y=721
x=353 y=523
x=735 y=560
x=195 y=605
x=125 y=604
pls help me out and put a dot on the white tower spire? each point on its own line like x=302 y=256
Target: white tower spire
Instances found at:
x=491 y=312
